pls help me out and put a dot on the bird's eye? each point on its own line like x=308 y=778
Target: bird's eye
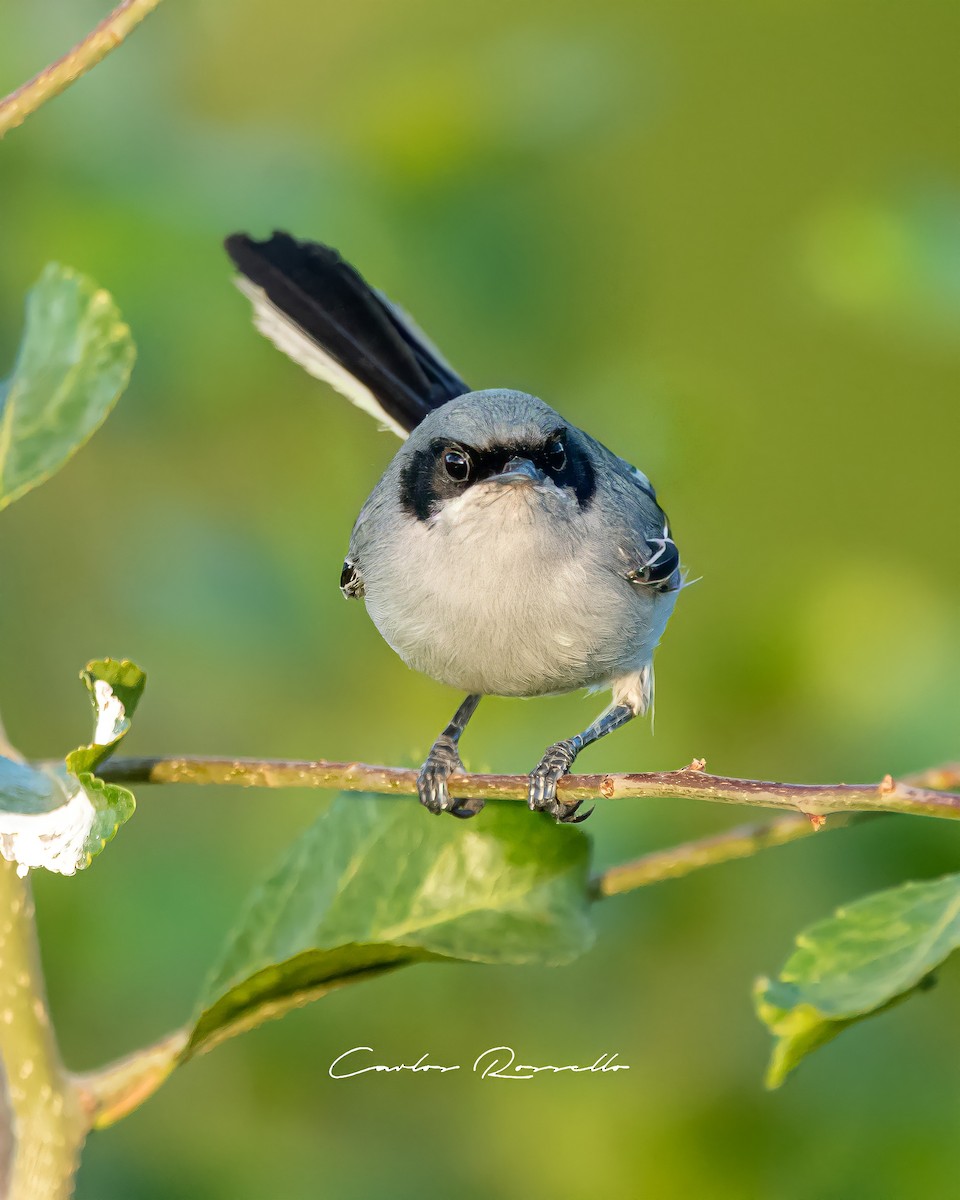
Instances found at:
x=556 y=453
x=457 y=466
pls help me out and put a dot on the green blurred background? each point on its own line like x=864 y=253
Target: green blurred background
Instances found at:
x=725 y=239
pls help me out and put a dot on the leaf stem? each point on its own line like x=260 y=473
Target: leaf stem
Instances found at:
x=112 y=1092
x=918 y=795
x=52 y=80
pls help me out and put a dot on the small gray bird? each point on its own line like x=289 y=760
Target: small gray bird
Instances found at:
x=504 y=552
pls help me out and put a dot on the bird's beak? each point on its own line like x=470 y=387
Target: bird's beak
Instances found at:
x=519 y=471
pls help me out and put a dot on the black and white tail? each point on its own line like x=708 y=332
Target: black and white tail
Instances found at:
x=320 y=312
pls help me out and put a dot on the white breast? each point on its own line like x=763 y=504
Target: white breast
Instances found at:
x=506 y=593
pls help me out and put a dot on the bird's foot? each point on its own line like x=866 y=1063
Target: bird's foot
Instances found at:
x=542 y=796
x=442 y=762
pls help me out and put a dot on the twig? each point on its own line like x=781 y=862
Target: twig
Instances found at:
x=690 y=783
x=52 y=80
x=742 y=842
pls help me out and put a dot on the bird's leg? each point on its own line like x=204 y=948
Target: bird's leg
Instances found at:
x=558 y=760
x=442 y=762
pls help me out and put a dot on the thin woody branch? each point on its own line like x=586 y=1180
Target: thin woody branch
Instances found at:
x=918 y=795
x=51 y=81
x=746 y=840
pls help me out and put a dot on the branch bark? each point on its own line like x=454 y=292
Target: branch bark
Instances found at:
x=42 y=1105
x=918 y=795
x=6 y=747
x=50 y=82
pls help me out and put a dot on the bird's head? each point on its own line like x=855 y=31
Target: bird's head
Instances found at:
x=502 y=452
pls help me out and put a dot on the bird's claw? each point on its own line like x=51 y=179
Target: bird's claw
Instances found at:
x=568 y=817
x=542 y=794
x=442 y=762
x=464 y=809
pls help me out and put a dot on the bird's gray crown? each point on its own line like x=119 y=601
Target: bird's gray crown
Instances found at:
x=490 y=418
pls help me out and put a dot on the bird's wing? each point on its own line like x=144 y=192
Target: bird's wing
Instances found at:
x=351 y=580
x=320 y=312
x=648 y=553
x=654 y=560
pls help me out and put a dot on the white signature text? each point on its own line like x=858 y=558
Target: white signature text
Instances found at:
x=499 y=1062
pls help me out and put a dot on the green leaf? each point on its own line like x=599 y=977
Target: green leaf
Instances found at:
x=60 y=818
x=75 y=359
x=376 y=884
x=115 y=689
x=866 y=957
